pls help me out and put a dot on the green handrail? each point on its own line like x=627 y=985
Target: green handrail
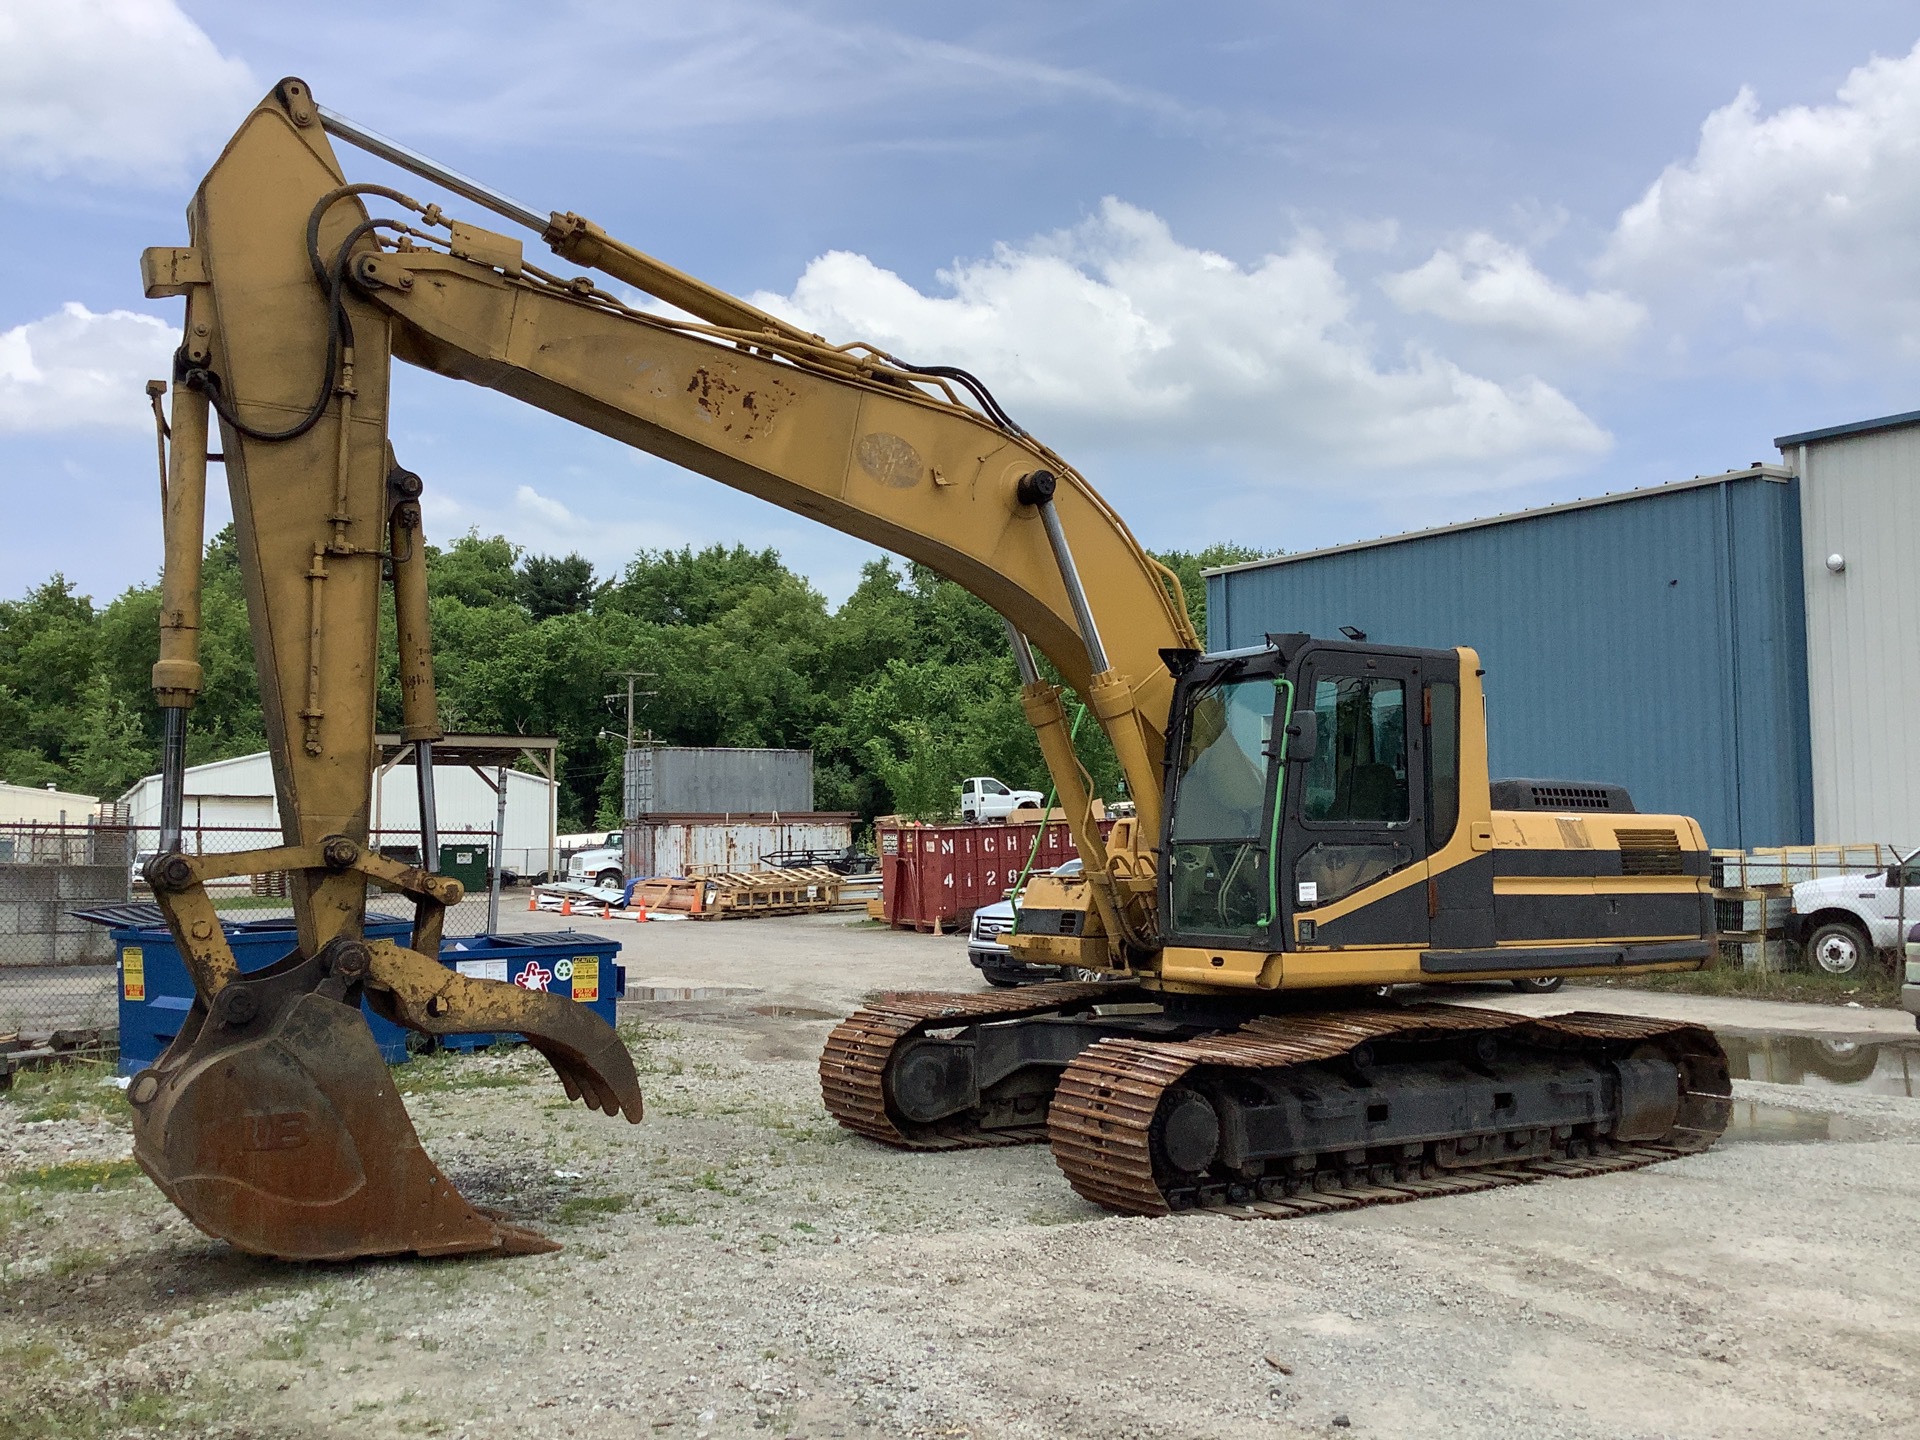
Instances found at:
x=1279 y=806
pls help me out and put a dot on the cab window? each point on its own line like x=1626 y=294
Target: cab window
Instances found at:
x=1358 y=773
x=1443 y=762
x=1218 y=876
x=1222 y=782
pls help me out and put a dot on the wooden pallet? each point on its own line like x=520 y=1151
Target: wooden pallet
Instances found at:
x=62 y=1047
x=736 y=894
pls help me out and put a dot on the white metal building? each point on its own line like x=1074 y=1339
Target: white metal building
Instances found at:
x=28 y=805
x=1860 y=539
x=237 y=794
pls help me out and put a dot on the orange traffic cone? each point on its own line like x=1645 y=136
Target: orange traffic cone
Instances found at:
x=533 y=902
x=639 y=913
x=566 y=905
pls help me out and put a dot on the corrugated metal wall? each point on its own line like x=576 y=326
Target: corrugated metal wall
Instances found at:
x=1860 y=499
x=689 y=780
x=1657 y=642
x=686 y=844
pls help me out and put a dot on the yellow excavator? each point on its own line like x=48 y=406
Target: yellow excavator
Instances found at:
x=1313 y=817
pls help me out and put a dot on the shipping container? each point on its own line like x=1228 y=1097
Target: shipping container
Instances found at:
x=933 y=877
x=696 y=844
x=691 y=780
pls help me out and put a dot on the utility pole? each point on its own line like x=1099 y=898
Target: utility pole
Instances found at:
x=632 y=694
x=632 y=677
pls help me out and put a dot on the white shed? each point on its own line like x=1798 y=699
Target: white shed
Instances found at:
x=230 y=805
x=28 y=805
x=234 y=794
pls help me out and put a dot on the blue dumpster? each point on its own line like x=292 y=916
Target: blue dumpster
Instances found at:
x=156 y=992
x=561 y=962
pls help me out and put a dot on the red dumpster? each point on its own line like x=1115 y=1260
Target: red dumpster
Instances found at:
x=933 y=877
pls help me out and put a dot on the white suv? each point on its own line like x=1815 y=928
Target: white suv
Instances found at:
x=984 y=798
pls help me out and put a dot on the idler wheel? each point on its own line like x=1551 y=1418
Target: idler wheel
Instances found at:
x=1189 y=1132
x=930 y=1082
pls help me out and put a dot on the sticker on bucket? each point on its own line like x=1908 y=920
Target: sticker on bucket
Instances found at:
x=133 y=973
x=586 y=978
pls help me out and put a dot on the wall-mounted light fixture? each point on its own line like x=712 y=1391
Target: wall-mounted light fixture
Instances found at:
x=1353 y=633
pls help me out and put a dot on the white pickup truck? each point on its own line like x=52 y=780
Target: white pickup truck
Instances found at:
x=1843 y=919
x=984 y=798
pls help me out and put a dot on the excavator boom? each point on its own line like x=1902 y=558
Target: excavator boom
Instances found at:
x=300 y=289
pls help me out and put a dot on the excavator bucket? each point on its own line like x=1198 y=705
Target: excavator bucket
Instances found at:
x=273 y=1122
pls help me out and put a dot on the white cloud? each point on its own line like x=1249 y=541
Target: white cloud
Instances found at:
x=1493 y=286
x=1807 y=213
x=723 y=65
x=120 y=89
x=552 y=512
x=77 y=369
x=1114 y=331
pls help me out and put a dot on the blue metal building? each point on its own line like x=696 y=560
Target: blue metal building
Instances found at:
x=1654 y=638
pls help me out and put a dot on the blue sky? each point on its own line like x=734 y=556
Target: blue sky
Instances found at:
x=1286 y=274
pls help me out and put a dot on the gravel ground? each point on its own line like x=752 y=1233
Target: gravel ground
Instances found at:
x=737 y=1265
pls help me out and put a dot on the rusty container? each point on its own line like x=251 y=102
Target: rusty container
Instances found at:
x=933 y=877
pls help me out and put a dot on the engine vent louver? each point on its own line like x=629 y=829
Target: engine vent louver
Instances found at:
x=1561 y=795
x=1650 y=852
x=1571 y=797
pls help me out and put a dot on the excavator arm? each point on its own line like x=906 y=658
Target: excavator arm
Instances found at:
x=268 y=1120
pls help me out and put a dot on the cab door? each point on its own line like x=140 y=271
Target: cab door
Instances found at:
x=1355 y=808
x=1216 y=883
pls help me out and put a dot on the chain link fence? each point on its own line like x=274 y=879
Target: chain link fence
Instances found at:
x=59 y=971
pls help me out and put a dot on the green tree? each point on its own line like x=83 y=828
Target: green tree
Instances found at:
x=553 y=585
x=682 y=587
x=475 y=571
x=1189 y=565
x=48 y=649
x=111 y=749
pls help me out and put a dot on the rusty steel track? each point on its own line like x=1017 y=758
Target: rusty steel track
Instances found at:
x=853 y=1065
x=1103 y=1112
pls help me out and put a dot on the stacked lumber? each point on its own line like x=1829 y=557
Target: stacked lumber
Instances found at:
x=736 y=894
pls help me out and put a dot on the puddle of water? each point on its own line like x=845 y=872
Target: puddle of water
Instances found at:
x=794 y=1012
x=1869 y=1067
x=1755 y=1122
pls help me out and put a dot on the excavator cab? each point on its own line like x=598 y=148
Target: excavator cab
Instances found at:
x=1301 y=773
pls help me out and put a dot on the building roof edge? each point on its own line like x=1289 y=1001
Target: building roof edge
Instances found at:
x=1857 y=427
x=1778 y=474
